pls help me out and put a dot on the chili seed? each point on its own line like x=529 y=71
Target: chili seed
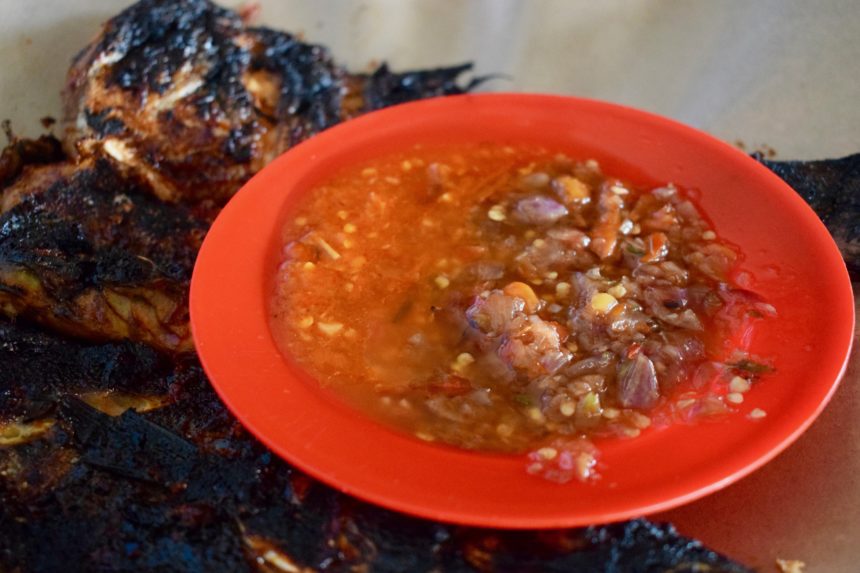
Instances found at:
x=603 y=302
x=497 y=213
x=739 y=384
x=611 y=413
x=547 y=453
x=618 y=291
x=329 y=328
x=504 y=430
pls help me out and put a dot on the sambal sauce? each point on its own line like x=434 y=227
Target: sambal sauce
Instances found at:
x=512 y=299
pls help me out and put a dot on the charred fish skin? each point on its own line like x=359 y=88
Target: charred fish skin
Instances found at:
x=296 y=88
x=97 y=519
x=22 y=152
x=384 y=87
x=832 y=189
x=183 y=94
x=99 y=492
x=39 y=368
x=87 y=250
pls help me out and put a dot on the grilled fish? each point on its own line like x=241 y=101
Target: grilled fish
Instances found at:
x=87 y=250
x=180 y=101
x=185 y=95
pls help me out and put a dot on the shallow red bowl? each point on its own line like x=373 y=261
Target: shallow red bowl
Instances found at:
x=796 y=265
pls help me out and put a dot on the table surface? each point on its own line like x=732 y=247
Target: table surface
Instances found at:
x=776 y=73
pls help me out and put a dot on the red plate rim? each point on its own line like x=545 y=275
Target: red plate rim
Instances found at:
x=795 y=262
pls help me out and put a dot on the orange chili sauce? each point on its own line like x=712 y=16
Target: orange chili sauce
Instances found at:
x=374 y=262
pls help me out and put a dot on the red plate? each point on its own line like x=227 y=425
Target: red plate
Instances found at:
x=796 y=265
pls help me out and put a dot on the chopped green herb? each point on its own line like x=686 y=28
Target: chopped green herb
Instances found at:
x=634 y=250
x=751 y=366
x=590 y=403
x=523 y=399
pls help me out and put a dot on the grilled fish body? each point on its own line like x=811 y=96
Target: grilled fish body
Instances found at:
x=87 y=250
x=185 y=95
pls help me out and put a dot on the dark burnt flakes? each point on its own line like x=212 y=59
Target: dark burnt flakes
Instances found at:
x=97 y=492
x=162 y=90
x=95 y=521
x=633 y=546
x=37 y=369
x=384 y=87
x=307 y=98
x=98 y=210
x=832 y=189
x=21 y=152
x=153 y=40
x=128 y=445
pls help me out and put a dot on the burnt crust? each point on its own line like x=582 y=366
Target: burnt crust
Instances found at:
x=22 y=152
x=832 y=189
